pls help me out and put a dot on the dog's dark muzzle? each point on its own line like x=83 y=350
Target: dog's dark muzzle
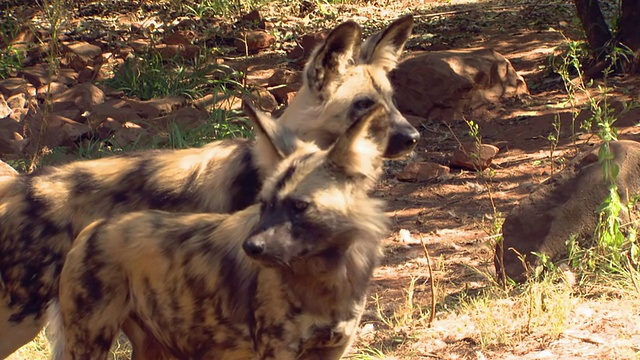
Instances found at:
x=403 y=138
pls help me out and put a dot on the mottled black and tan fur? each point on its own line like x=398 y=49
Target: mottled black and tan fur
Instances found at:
x=41 y=213
x=283 y=279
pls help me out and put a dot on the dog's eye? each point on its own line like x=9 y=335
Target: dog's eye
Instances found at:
x=363 y=104
x=300 y=205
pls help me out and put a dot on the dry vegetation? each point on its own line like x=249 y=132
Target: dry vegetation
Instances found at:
x=563 y=313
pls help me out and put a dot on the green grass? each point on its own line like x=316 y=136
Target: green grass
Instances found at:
x=10 y=62
x=148 y=76
x=10 y=58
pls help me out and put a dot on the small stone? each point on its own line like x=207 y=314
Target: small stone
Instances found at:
x=265 y=100
x=107 y=128
x=84 y=96
x=84 y=54
x=253 y=16
x=140 y=45
x=11 y=142
x=306 y=45
x=12 y=86
x=416 y=121
x=52 y=88
x=472 y=156
x=422 y=171
x=38 y=75
x=168 y=52
x=5 y=109
x=283 y=83
x=17 y=101
x=254 y=41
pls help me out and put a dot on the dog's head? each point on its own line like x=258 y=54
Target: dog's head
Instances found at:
x=316 y=202
x=343 y=78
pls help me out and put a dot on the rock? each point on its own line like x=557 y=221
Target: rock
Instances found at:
x=265 y=100
x=288 y=98
x=7 y=170
x=84 y=96
x=305 y=46
x=170 y=51
x=255 y=19
x=5 y=109
x=179 y=37
x=185 y=118
x=254 y=41
x=130 y=134
x=165 y=105
x=23 y=39
x=123 y=52
x=38 y=75
x=136 y=111
x=17 y=101
x=81 y=54
x=564 y=206
x=13 y=86
x=52 y=88
x=63 y=131
x=441 y=84
x=284 y=82
x=140 y=45
x=11 y=142
x=107 y=127
x=58 y=130
x=121 y=110
x=416 y=121
x=17 y=115
x=86 y=74
x=252 y=16
x=422 y=171
x=471 y=157
x=72 y=113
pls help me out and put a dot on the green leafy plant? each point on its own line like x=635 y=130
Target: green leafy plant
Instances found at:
x=615 y=250
x=11 y=58
x=148 y=75
x=10 y=62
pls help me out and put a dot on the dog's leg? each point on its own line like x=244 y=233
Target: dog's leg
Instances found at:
x=94 y=301
x=144 y=347
x=13 y=335
x=333 y=353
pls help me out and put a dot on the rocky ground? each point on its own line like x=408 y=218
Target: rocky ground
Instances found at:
x=452 y=210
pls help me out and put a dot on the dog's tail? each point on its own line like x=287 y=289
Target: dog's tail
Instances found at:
x=55 y=331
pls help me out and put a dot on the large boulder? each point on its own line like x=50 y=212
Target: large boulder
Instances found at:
x=562 y=207
x=442 y=84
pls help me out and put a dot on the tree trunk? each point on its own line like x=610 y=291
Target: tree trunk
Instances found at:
x=629 y=31
x=594 y=25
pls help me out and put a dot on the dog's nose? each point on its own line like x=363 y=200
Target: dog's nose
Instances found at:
x=401 y=142
x=253 y=247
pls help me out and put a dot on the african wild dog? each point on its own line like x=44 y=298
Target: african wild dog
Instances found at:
x=41 y=213
x=283 y=279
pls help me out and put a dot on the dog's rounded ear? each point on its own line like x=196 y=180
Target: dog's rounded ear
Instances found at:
x=384 y=48
x=336 y=53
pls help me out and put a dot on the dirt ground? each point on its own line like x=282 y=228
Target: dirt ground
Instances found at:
x=454 y=215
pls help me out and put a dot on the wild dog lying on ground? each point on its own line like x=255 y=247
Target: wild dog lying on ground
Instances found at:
x=41 y=213
x=283 y=279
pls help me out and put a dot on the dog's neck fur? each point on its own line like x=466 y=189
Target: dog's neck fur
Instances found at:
x=335 y=282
